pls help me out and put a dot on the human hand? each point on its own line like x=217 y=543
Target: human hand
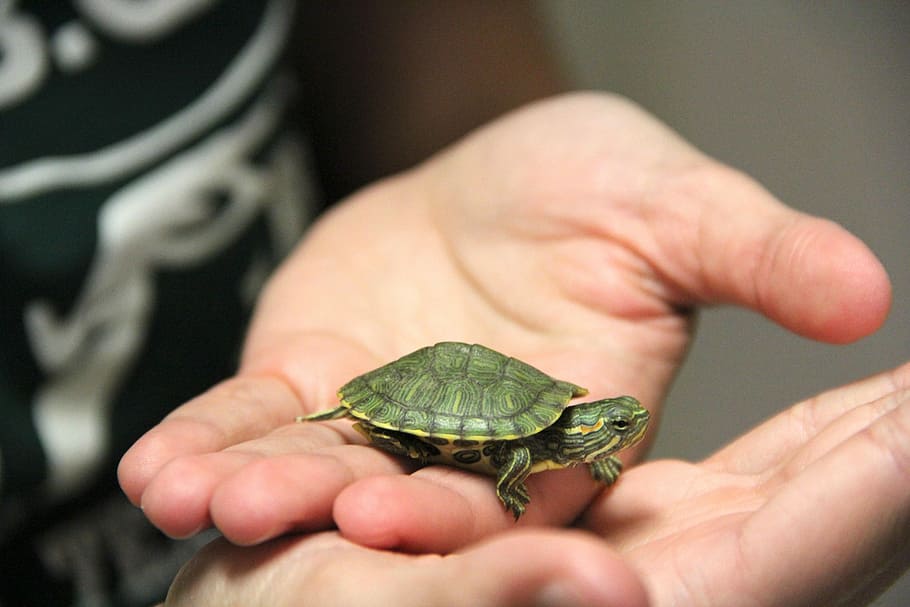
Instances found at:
x=577 y=234
x=810 y=508
x=326 y=569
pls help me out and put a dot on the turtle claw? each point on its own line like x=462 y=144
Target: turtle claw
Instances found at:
x=606 y=470
x=398 y=443
x=421 y=451
x=517 y=511
x=514 y=498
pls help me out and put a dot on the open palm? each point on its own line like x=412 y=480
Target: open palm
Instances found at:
x=810 y=508
x=578 y=234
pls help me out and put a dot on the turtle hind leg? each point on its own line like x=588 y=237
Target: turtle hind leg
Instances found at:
x=606 y=470
x=398 y=443
x=514 y=465
x=321 y=416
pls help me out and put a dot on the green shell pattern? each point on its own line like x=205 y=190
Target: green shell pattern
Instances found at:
x=459 y=391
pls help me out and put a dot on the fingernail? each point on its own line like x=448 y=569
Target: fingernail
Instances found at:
x=560 y=594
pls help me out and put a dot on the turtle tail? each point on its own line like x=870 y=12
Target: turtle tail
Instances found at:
x=320 y=416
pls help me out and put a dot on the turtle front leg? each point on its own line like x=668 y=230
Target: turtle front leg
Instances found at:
x=606 y=470
x=514 y=465
x=397 y=443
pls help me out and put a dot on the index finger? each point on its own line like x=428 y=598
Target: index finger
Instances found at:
x=234 y=411
x=775 y=442
x=279 y=380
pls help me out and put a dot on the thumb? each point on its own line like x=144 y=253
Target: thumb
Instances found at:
x=808 y=274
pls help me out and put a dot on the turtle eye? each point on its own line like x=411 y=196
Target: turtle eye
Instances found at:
x=620 y=424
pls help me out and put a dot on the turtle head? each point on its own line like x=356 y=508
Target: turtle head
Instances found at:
x=592 y=431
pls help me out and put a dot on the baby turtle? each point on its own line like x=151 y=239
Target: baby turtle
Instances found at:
x=469 y=406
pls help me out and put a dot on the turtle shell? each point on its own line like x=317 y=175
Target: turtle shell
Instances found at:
x=457 y=391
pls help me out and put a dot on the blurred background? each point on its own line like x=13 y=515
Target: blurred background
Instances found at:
x=813 y=100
